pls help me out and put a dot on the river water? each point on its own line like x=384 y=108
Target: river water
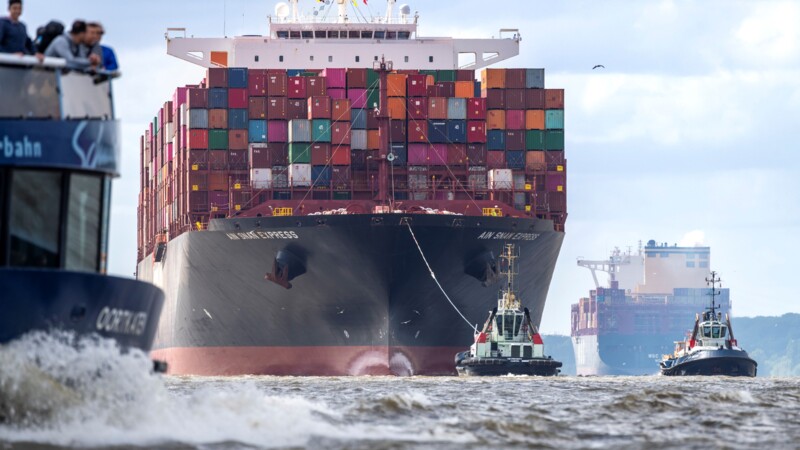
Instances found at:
x=57 y=393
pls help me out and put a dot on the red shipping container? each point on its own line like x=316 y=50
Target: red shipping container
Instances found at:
x=218 y=159
x=237 y=139
x=476 y=154
x=276 y=108
x=340 y=177
x=340 y=155
x=257 y=82
x=515 y=99
x=340 y=110
x=320 y=154
x=418 y=154
x=340 y=133
x=237 y=159
x=357 y=79
x=198 y=139
x=198 y=160
x=434 y=90
x=217 y=77
x=417 y=85
x=418 y=108
x=297 y=87
x=358 y=97
x=197 y=98
x=447 y=88
x=476 y=108
x=372 y=119
x=495 y=98
x=315 y=86
x=554 y=98
x=515 y=119
x=237 y=98
x=456 y=154
x=515 y=140
x=515 y=78
x=534 y=98
x=437 y=108
x=198 y=181
x=476 y=132
x=555 y=182
x=277 y=131
x=257 y=108
x=276 y=84
x=296 y=109
x=336 y=93
x=554 y=158
x=418 y=131
x=335 y=78
x=319 y=108
x=263 y=156
x=397 y=132
x=437 y=154
x=557 y=201
x=496 y=160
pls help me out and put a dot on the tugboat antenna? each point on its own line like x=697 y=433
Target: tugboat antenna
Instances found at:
x=713 y=281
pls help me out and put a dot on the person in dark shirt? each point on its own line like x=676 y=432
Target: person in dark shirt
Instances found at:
x=13 y=34
x=108 y=58
x=69 y=47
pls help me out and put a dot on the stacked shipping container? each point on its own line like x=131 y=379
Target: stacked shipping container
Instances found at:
x=244 y=137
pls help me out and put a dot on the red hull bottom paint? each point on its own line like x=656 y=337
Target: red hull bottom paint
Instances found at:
x=313 y=361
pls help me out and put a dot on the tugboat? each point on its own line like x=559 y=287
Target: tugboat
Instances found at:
x=508 y=344
x=711 y=349
x=59 y=150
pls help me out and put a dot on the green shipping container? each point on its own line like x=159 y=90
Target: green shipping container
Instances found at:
x=534 y=140
x=218 y=139
x=445 y=75
x=373 y=98
x=299 y=153
x=554 y=119
x=554 y=140
x=341 y=196
x=372 y=79
x=321 y=130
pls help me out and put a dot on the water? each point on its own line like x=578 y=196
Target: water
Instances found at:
x=54 y=396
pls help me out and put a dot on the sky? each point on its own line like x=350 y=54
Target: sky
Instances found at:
x=690 y=133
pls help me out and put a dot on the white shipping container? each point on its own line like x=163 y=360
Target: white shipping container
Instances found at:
x=261 y=178
x=500 y=179
x=300 y=174
x=169 y=130
x=358 y=139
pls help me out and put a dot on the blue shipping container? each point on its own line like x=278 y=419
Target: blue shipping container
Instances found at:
x=496 y=139
x=457 y=131
x=237 y=119
x=457 y=108
x=534 y=78
x=294 y=72
x=198 y=118
x=400 y=154
x=321 y=175
x=237 y=77
x=515 y=159
x=554 y=119
x=257 y=132
x=218 y=98
x=477 y=89
x=437 y=131
x=358 y=119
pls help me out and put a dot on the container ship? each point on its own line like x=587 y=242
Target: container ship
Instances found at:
x=652 y=299
x=280 y=197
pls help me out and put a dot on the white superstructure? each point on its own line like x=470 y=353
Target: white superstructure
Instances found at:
x=340 y=38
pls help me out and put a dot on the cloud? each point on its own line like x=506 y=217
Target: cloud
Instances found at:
x=770 y=34
x=694 y=238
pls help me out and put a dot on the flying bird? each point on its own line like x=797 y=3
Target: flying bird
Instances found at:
x=599 y=65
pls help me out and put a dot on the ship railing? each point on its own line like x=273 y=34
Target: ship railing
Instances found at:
x=50 y=90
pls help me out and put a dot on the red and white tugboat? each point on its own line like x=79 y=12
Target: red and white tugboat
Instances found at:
x=509 y=343
x=711 y=349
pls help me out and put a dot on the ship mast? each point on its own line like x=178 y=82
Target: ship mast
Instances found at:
x=383 y=68
x=508 y=296
x=713 y=281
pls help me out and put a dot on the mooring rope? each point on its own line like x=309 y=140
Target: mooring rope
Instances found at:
x=433 y=275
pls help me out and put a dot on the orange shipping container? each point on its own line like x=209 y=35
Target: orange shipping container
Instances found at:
x=373 y=140
x=495 y=119
x=218 y=118
x=534 y=160
x=465 y=89
x=493 y=79
x=437 y=108
x=218 y=181
x=554 y=99
x=397 y=108
x=396 y=85
x=534 y=119
x=340 y=110
x=237 y=139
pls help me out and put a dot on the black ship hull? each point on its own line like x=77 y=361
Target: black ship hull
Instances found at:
x=727 y=362
x=361 y=300
x=481 y=367
x=85 y=303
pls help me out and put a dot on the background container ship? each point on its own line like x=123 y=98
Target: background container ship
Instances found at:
x=624 y=329
x=277 y=205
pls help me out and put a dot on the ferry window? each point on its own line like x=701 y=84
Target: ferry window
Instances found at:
x=280 y=58
x=517 y=324
x=83 y=222
x=690 y=264
x=358 y=59
x=294 y=34
x=376 y=57
x=715 y=332
x=499 y=321
x=307 y=34
x=380 y=34
x=508 y=326
x=330 y=58
x=311 y=58
x=406 y=59
x=391 y=35
x=706 y=331
x=366 y=35
x=403 y=35
x=723 y=331
x=333 y=34
x=34 y=218
x=28 y=93
x=283 y=35
x=255 y=58
x=703 y=255
x=430 y=58
x=319 y=34
x=704 y=264
x=353 y=35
